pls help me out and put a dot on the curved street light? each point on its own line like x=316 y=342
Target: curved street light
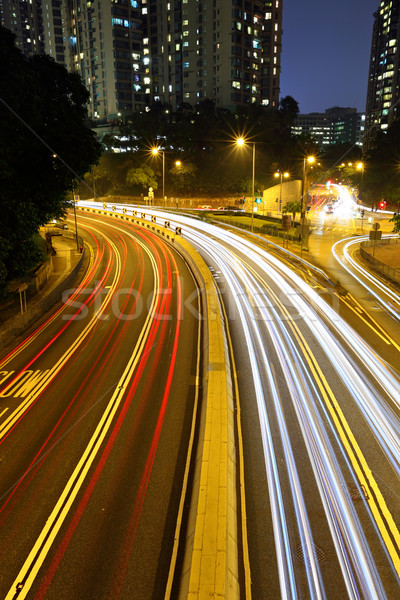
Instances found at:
x=155 y=151
x=240 y=141
x=308 y=160
x=360 y=167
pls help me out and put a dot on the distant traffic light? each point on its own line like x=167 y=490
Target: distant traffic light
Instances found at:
x=382 y=204
x=361 y=213
x=257 y=200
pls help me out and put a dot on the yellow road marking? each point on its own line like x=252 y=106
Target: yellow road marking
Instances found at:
x=38 y=554
x=356 y=457
x=51 y=373
x=29 y=340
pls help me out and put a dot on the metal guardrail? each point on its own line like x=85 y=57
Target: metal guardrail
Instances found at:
x=392 y=273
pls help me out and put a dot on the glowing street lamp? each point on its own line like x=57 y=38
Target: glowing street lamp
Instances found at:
x=281 y=175
x=156 y=151
x=360 y=167
x=242 y=142
x=309 y=160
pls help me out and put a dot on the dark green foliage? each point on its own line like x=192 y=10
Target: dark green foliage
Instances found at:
x=396 y=222
x=44 y=147
x=203 y=139
x=382 y=171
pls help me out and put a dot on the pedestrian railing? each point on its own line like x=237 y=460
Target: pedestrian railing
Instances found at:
x=367 y=253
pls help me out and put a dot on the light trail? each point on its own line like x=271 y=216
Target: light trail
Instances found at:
x=372 y=284
x=148 y=348
x=324 y=368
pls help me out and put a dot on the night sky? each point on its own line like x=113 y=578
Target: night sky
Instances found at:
x=325 y=52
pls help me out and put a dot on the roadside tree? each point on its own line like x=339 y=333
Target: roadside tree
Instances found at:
x=45 y=147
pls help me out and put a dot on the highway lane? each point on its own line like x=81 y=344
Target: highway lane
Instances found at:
x=320 y=417
x=96 y=409
x=378 y=288
x=312 y=401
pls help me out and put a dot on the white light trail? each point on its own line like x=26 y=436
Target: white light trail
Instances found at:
x=279 y=310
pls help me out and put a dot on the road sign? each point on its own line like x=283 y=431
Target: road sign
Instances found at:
x=303 y=230
x=375 y=235
x=376 y=226
x=286 y=222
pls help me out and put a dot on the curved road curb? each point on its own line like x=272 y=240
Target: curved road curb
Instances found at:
x=210 y=566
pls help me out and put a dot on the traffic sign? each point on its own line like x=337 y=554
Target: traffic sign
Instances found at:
x=375 y=235
x=376 y=226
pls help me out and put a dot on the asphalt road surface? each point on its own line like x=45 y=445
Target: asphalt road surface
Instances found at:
x=96 y=408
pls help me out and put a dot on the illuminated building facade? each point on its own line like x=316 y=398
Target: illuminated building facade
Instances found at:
x=131 y=53
x=337 y=125
x=383 y=93
x=227 y=51
x=40 y=27
x=109 y=55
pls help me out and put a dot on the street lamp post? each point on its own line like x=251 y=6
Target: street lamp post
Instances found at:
x=304 y=193
x=360 y=167
x=178 y=165
x=281 y=175
x=242 y=142
x=156 y=151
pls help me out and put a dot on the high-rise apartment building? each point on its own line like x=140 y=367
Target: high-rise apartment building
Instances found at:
x=40 y=27
x=228 y=51
x=24 y=19
x=383 y=94
x=109 y=54
x=131 y=53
